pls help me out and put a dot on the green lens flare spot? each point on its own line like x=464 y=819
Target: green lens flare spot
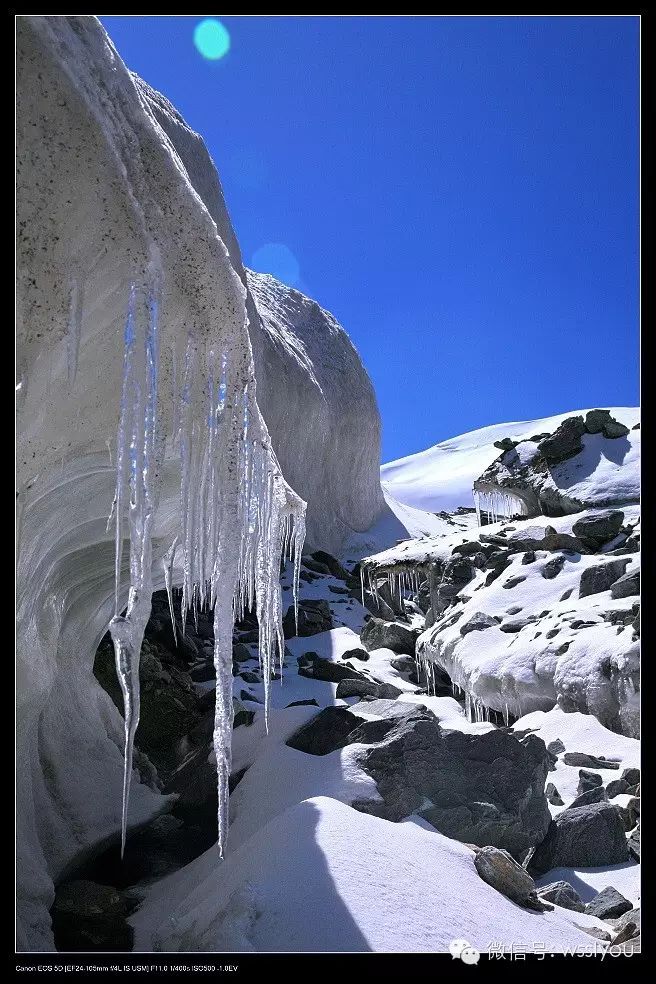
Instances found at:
x=211 y=39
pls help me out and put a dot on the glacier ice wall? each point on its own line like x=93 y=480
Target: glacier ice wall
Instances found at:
x=314 y=393
x=107 y=212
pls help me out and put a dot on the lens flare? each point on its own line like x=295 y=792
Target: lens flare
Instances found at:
x=277 y=259
x=211 y=39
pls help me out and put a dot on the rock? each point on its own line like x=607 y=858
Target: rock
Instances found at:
x=528 y=557
x=553 y=568
x=505 y=444
x=241 y=653
x=469 y=549
x=631 y=776
x=600 y=421
x=477 y=788
x=616 y=787
x=336 y=589
x=89 y=916
x=303 y=703
x=360 y=654
x=313 y=617
x=553 y=795
x=596 y=794
x=479 y=622
x=601 y=577
x=586 y=836
x=563 y=541
x=315 y=567
x=202 y=673
x=588 y=780
x=630 y=813
x=629 y=918
x=608 y=904
x=589 y=761
x=598 y=528
x=248 y=676
x=325 y=669
x=599 y=934
x=501 y=871
x=331 y=564
x=627 y=585
x=366 y=688
x=378 y=634
x=512 y=582
x=556 y=746
x=515 y=624
x=633 y=844
x=630 y=933
x=564 y=443
x=563 y=894
x=325 y=732
x=403 y=664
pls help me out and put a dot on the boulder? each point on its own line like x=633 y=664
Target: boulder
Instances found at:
x=596 y=794
x=332 y=565
x=360 y=654
x=325 y=732
x=627 y=585
x=588 y=780
x=598 y=528
x=608 y=904
x=349 y=687
x=563 y=894
x=479 y=622
x=616 y=787
x=601 y=576
x=501 y=871
x=553 y=796
x=629 y=918
x=378 y=634
x=313 y=617
x=586 y=836
x=556 y=747
x=633 y=843
x=564 y=443
x=589 y=761
x=563 y=541
x=601 y=422
x=553 y=567
x=512 y=582
x=631 y=776
x=477 y=788
x=325 y=669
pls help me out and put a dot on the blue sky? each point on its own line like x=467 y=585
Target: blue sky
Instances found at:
x=462 y=193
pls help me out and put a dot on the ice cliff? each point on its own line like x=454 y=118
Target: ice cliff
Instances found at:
x=138 y=426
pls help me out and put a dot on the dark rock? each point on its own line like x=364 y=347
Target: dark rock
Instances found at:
x=627 y=585
x=366 y=688
x=586 y=836
x=556 y=746
x=598 y=528
x=630 y=813
x=608 y=904
x=566 y=594
x=303 y=703
x=601 y=577
x=553 y=567
x=595 y=794
x=501 y=871
x=600 y=421
x=378 y=634
x=564 y=443
x=313 y=617
x=336 y=589
x=563 y=541
x=553 y=795
x=360 y=654
x=505 y=444
x=202 y=673
x=515 y=624
x=629 y=935
x=529 y=557
x=241 y=653
x=332 y=565
x=512 y=582
x=478 y=622
x=89 y=916
x=246 y=695
x=633 y=843
x=469 y=549
x=325 y=732
x=616 y=787
x=581 y=623
x=483 y=789
x=325 y=669
x=563 y=894
x=588 y=761
x=404 y=664
x=248 y=676
x=315 y=567
x=633 y=790
x=629 y=918
x=631 y=776
x=588 y=780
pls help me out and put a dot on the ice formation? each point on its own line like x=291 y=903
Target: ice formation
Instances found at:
x=497 y=504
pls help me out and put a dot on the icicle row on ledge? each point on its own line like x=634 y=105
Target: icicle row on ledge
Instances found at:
x=497 y=505
x=239 y=518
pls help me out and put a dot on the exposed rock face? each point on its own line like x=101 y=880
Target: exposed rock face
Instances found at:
x=563 y=894
x=502 y=872
x=378 y=634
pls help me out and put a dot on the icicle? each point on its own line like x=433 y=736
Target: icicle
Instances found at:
x=167 y=564
x=74 y=326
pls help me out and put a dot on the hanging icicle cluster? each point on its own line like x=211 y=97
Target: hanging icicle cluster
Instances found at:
x=239 y=519
x=402 y=582
x=497 y=505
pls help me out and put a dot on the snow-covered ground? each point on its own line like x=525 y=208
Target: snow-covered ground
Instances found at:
x=441 y=478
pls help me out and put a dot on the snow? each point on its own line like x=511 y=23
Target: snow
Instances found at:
x=441 y=478
x=324 y=877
